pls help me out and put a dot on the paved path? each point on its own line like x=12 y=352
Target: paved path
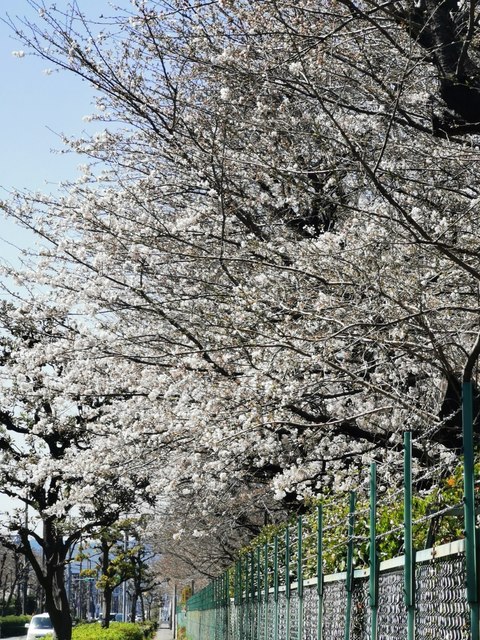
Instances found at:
x=164 y=634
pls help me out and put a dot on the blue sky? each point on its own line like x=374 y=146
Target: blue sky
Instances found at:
x=34 y=109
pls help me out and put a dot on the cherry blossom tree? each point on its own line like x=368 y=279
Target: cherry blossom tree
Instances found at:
x=55 y=456
x=274 y=240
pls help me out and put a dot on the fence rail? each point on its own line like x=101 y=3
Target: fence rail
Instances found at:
x=279 y=591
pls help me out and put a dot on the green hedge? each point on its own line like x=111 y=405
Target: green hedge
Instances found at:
x=148 y=628
x=116 y=631
x=13 y=625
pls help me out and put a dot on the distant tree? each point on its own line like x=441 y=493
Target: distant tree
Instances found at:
x=143 y=580
x=119 y=556
x=12 y=576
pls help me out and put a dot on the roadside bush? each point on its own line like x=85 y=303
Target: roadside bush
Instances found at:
x=116 y=631
x=148 y=628
x=13 y=625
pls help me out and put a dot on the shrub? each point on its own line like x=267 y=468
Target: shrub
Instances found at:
x=148 y=628
x=13 y=625
x=447 y=493
x=116 y=631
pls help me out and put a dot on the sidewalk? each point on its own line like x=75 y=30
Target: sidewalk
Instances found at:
x=164 y=634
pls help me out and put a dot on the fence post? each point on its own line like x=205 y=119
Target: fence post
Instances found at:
x=211 y=605
x=265 y=590
x=213 y=608
x=275 y=587
x=259 y=595
x=219 y=609
x=247 y=599
x=349 y=580
x=373 y=582
x=287 y=583
x=300 y=577
x=252 y=595
x=237 y=601
x=227 y=605
x=469 y=509
x=320 y=571
x=408 y=538
x=241 y=612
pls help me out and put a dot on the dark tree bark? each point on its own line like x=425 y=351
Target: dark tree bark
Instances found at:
x=445 y=29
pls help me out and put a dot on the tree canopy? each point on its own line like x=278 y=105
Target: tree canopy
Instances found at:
x=271 y=259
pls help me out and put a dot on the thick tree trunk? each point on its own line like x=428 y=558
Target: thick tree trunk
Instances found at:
x=61 y=619
x=107 y=588
x=51 y=576
x=142 y=606
x=133 y=607
x=106 y=607
x=442 y=27
x=56 y=598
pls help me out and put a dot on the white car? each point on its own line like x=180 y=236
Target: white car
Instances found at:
x=39 y=626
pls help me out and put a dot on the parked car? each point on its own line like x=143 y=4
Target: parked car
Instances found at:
x=116 y=617
x=39 y=626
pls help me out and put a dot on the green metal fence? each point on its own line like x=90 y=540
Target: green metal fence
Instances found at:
x=279 y=591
